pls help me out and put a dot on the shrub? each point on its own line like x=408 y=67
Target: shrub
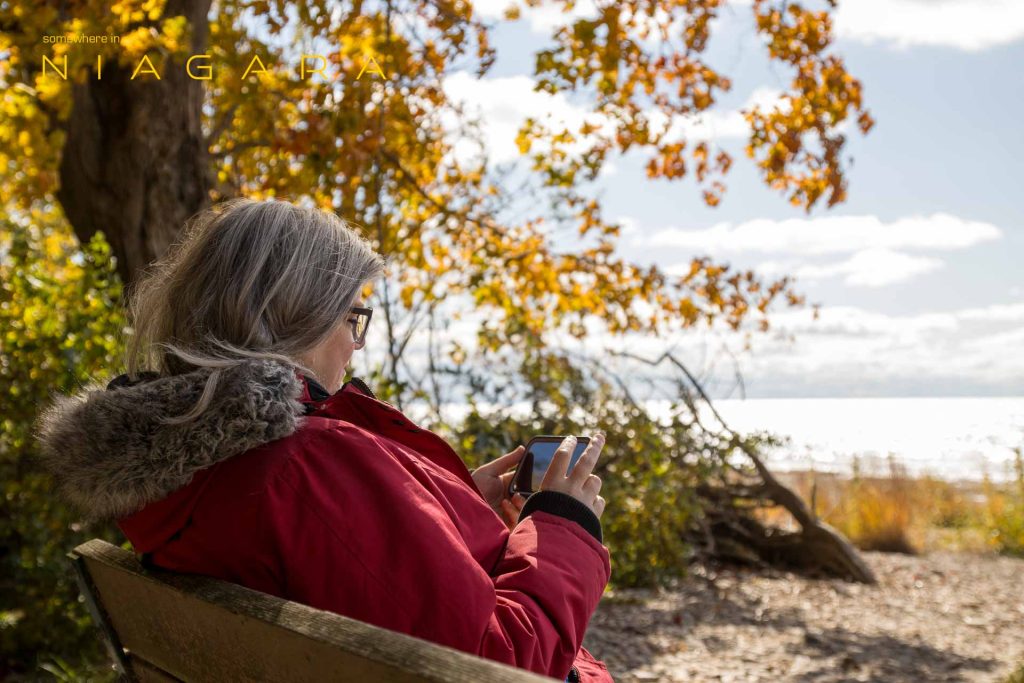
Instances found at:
x=1005 y=518
x=59 y=313
x=876 y=513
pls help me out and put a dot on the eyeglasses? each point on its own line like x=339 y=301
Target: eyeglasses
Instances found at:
x=359 y=318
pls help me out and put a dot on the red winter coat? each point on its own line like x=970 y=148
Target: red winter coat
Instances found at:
x=342 y=504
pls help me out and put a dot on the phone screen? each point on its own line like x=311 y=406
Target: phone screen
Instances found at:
x=544 y=451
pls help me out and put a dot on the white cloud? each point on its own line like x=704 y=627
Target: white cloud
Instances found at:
x=502 y=104
x=997 y=344
x=629 y=226
x=715 y=124
x=608 y=169
x=874 y=267
x=543 y=19
x=849 y=350
x=964 y=24
x=845 y=351
x=854 y=322
x=1000 y=312
x=828 y=235
x=969 y=25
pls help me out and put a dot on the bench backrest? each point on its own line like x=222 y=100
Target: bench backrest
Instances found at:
x=165 y=626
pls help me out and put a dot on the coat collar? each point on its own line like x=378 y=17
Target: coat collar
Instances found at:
x=313 y=390
x=314 y=393
x=110 y=454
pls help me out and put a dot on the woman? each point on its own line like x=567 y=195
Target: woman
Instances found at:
x=241 y=454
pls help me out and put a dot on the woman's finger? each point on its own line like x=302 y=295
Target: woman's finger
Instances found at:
x=511 y=513
x=592 y=484
x=586 y=463
x=516 y=502
x=559 y=462
x=504 y=462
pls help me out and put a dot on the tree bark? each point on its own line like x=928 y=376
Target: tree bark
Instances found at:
x=135 y=163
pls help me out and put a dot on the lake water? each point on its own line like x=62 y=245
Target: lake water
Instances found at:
x=953 y=438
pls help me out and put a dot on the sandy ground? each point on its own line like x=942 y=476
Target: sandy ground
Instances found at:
x=938 y=617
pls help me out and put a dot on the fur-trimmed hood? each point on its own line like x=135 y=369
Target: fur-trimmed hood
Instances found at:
x=111 y=456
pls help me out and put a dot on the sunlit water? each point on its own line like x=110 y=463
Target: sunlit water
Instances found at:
x=951 y=438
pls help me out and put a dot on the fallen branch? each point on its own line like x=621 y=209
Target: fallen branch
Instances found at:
x=730 y=529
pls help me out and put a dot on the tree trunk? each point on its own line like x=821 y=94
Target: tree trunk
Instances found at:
x=135 y=162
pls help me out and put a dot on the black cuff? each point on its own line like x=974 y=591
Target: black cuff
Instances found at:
x=563 y=505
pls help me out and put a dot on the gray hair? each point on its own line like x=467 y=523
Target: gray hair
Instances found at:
x=250 y=280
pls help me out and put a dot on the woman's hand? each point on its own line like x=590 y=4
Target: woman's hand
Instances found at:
x=581 y=484
x=511 y=509
x=493 y=480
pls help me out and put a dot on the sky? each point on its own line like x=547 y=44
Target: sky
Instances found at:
x=918 y=274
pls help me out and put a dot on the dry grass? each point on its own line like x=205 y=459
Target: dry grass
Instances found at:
x=1005 y=513
x=894 y=512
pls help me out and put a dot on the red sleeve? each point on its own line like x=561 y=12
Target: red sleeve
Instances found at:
x=367 y=537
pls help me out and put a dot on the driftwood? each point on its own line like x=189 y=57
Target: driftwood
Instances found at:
x=729 y=528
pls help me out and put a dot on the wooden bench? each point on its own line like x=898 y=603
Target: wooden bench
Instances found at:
x=165 y=626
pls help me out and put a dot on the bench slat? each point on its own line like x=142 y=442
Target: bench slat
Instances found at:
x=201 y=629
x=147 y=673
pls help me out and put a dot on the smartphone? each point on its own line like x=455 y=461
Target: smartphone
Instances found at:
x=539 y=453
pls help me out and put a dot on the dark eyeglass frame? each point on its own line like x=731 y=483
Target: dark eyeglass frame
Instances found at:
x=360 y=311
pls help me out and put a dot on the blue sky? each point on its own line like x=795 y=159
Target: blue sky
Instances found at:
x=918 y=273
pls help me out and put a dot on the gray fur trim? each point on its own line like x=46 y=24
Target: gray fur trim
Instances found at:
x=111 y=456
